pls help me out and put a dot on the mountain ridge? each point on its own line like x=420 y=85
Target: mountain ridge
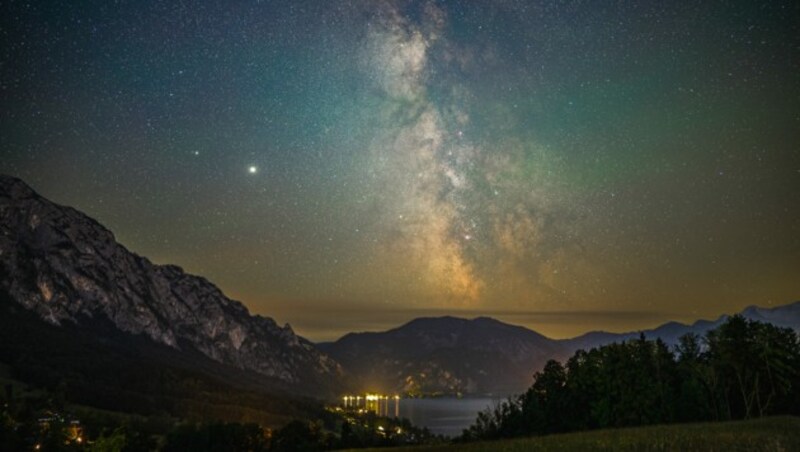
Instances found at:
x=444 y=355
x=67 y=267
x=494 y=357
x=670 y=331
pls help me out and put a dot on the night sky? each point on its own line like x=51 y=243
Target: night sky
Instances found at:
x=346 y=166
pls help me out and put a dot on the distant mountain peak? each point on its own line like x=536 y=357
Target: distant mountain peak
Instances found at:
x=15 y=188
x=436 y=320
x=446 y=355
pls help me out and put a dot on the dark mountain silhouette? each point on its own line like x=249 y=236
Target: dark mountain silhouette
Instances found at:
x=787 y=316
x=446 y=355
x=449 y=355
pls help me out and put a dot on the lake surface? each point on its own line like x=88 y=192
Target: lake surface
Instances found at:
x=444 y=416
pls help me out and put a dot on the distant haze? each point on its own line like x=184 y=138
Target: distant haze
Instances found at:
x=328 y=323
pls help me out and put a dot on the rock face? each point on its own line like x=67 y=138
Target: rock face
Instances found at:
x=67 y=267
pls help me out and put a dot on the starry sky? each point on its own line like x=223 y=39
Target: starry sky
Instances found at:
x=347 y=166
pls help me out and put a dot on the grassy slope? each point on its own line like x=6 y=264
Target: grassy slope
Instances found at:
x=767 y=434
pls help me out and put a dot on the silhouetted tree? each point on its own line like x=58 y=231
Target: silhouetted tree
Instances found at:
x=550 y=391
x=754 y=367
x=695 y=400
x=742 y=369
x=297 y=436
x=216 y=437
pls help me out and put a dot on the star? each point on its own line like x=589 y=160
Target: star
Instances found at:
x=456 y=169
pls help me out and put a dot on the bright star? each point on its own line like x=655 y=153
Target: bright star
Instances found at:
x=252 y=169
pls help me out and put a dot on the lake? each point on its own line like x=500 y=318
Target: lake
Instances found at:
x=444 y=416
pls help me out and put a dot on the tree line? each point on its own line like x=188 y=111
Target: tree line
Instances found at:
x=740 y=370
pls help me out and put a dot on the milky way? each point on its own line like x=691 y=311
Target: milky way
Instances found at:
x=351 y=165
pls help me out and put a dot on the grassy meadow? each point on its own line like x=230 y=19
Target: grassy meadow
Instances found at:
x=765 y=434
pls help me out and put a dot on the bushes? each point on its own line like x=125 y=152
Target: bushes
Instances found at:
x=217 y=436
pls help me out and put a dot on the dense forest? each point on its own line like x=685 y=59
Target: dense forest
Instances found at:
x=740 y=370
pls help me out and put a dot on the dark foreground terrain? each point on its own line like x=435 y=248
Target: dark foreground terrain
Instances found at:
x=765 y=434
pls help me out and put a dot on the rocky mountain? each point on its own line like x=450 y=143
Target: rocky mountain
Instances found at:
x=449 y=355
x=66 y=271
x=69 y=270
x=97 y=365
x=446 y=355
